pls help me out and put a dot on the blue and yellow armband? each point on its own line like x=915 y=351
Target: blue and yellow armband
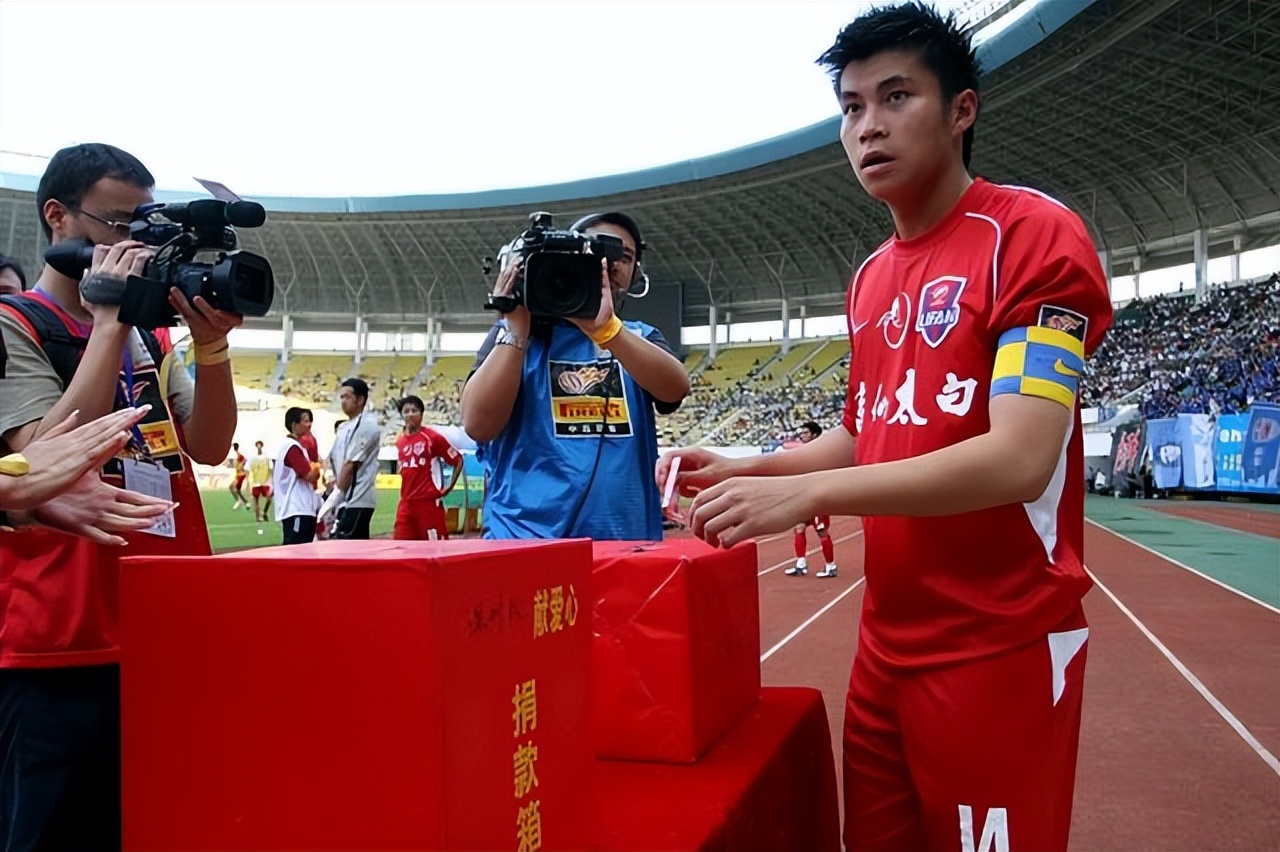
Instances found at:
x=1038 y=361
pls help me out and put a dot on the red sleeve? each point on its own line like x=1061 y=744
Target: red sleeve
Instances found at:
x=1049 y=275
x=296 y=460
x=850 y=418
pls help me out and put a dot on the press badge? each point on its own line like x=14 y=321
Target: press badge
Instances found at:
x=143 y=477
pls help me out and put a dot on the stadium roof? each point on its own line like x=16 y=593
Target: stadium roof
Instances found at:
x=1152 y=118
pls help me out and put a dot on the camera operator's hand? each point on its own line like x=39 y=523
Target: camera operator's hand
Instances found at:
x=118 y=261
x=519 y=321
x=606 y=313
x=207 y=323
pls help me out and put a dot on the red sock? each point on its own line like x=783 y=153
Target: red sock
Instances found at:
x=799 y=544
x=828 y=549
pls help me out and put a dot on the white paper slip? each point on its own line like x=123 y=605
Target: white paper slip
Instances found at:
x=670 y=488
x=153 y=480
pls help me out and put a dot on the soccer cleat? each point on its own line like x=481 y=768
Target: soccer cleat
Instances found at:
x=829 y=571
x=799 y=569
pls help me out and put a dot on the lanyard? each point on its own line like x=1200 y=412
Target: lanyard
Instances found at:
x=125 y=398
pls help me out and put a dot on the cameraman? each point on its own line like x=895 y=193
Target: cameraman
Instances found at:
x=563 y=411
x=59 y=662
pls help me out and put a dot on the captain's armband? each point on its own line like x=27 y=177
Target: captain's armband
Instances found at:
x=1039 y=361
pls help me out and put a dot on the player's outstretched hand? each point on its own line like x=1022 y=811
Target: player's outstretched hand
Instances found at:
x=63 y=454
x=92 y=509
x=698 y=469
x=748 y=506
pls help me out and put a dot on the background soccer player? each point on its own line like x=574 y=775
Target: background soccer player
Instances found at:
x=821 y=523
x=968 y=328
x=420 y=512
x=236 y=463
x=260 y=483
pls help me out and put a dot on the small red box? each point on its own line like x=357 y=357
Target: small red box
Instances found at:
x=676 y=658
x=358 y=695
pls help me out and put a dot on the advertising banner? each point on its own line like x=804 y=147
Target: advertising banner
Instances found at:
x=1230 y=451
x=1195 y=434
x=1166 y=452
x=1261 y=451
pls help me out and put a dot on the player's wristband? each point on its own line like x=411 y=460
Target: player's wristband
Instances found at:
x=212 y=354
x=602 y=336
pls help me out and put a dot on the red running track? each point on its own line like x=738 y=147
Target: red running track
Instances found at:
x=1178 y=747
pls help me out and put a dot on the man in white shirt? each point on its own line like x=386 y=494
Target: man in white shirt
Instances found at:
x=355 y=461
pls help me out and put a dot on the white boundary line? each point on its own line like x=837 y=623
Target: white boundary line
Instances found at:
x=811 y=619
x=1173 y=561
x=808 y=552
x=1236 y=725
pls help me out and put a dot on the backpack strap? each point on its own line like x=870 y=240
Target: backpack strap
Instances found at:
x=57 y=337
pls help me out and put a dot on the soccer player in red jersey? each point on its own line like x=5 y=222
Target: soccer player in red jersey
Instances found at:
x=821 y=523
x=962 y=451
x=420 y=511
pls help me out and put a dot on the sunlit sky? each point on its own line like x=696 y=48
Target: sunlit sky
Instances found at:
x=277 y=98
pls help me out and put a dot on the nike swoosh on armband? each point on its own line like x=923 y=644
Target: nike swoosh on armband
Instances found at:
x=1062 y=369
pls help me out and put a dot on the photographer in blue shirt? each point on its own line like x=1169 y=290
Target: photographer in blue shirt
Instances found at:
x=563 y=408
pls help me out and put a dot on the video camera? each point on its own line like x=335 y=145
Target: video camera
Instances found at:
x=238 y=282
x=560 y=276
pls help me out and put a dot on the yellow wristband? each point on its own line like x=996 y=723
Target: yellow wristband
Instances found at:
x=602 y=336
x=14 y=464
x=211 y=354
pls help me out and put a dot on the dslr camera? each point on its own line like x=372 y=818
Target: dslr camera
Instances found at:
x=560 y=273
x=236 y=281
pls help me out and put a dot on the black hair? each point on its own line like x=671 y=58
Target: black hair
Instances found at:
x=811 y=426
x=73 y=172
x=621 y=220
x=358 y=386
x=939 y=40
x=235 y=446
x=293 y=417
x=11 y=263
x=411 y=400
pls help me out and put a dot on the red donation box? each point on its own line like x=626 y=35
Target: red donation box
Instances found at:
x=676 y=653
x=358 y=695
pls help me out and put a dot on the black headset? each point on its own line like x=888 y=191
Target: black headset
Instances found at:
x=639 y=286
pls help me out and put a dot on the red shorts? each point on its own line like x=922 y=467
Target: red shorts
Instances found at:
x=239 y=480
x=975 y=756
x=262 y=491
x=414 y=518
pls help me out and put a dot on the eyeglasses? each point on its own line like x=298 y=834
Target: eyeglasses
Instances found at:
x=119 y=227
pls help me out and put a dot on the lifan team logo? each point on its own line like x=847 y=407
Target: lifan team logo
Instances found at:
x=939 y=309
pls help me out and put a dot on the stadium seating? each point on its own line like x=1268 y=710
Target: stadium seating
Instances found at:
x=1167 y=354
x=1170 y=355
x=315 y=378
x=253 y=368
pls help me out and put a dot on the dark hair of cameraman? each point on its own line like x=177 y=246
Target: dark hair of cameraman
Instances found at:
x=99 y=185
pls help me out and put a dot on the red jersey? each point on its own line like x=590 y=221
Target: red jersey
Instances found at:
x=925 y=316
x=417 y=474
x=308 y=442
